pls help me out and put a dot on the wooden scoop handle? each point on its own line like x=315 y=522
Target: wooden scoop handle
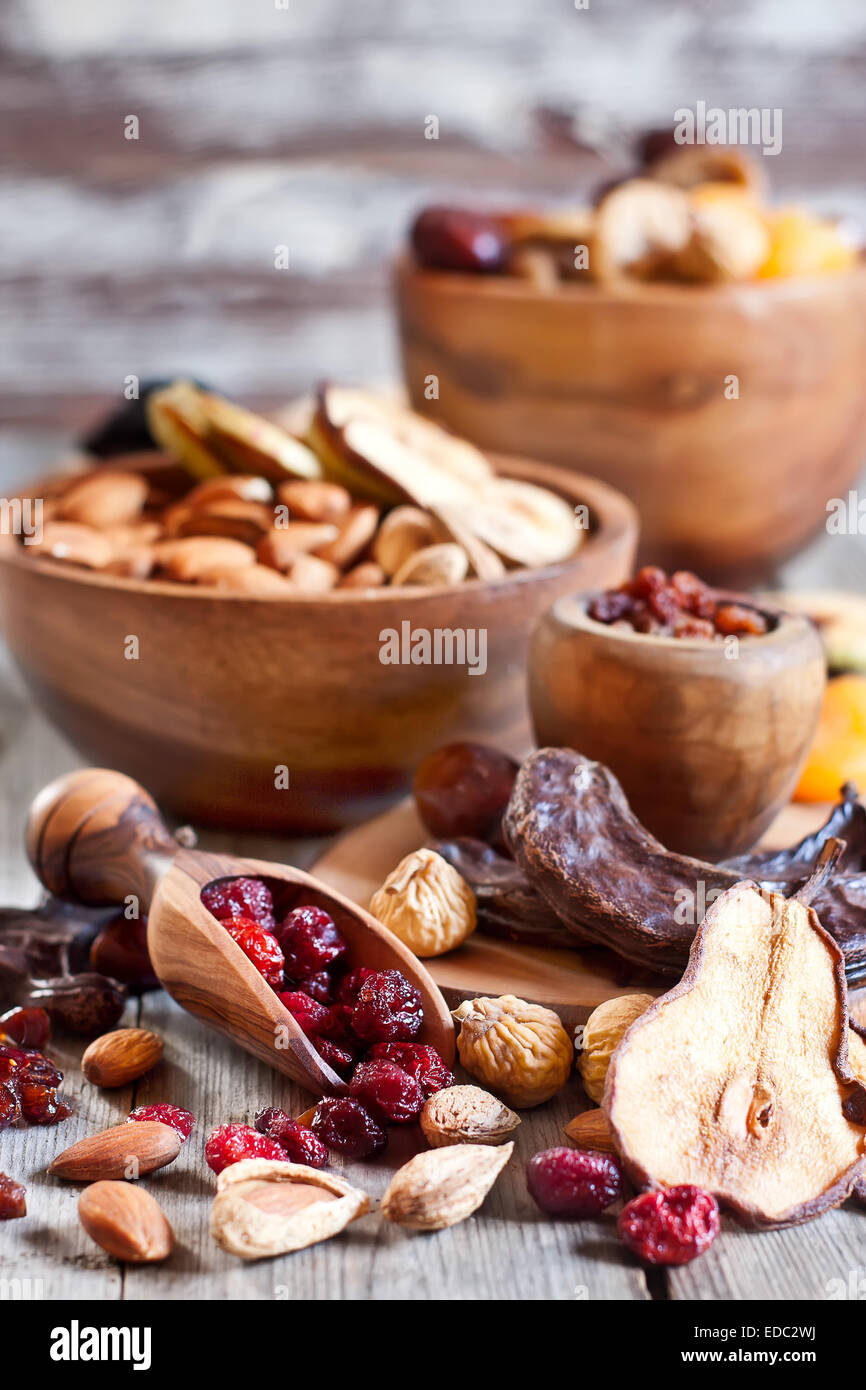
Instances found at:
x=96 y=837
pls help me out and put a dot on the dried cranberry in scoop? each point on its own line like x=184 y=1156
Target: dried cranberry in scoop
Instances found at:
x=13 y=1198
x=318 y=986
x=230 y=1143
x=670 y=1227
x=348 y=1128
x=259 y=946
x=180 y=1120
x=420 y=1060
x=338 y=1058
x=573 y=1182
x=240 y=897
x=347 y=989
x=387 y=1009
x=311 y=1016
x=299 y=1144
x=310 y=941
x=388 y=1092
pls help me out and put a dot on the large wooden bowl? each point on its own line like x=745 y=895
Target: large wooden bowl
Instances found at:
x=227 y=690
x=632 y=385
x=707 y=738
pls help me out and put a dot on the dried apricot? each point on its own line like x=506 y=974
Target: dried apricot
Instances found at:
x=838 y=754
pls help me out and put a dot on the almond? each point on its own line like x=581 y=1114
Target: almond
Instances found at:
x=590 y=1130
x=124 y=1151
x=443 y=1186
x=282 y=545
x=194 y=558
x=70 y=540
x=310 y=575
x=367 y=575
x=355 y=534
x=126 y=1221
x=243 y=487
x=250 y=579
x=104 y=498
x=466 y=1115
x=120 y=1057
x=310 y=500
x=264 y=1207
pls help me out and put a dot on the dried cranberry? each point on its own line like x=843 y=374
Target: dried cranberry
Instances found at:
x=388 y=1092
x=573 y=1182
x=670 y=1227
x=310 y=941
x=40 y=1105
x=29 y=1065
x=339 y=1059
x=347 y=989
x=387 y=1009
x=447 y=238
x=230 y=1143
x=27 y=1027
x=736 y=619
x=13 y=1198
x=180 y=1120
x=347 y=1127
x=318 y=986
x=299 y=1144
x=311 y=1016
x=259 y=946
x=610 y=607
x=10 y=1106
x=420 y=1060
x=240 y=897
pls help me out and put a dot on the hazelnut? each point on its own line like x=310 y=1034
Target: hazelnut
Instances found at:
x=426 y=903
x=605 y=1028
x=519 y=1050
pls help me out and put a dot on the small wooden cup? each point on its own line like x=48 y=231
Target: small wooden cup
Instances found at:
x=707 y=739
x=729 y=414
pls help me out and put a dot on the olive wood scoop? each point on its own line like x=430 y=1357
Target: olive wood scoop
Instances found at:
x=97 y=837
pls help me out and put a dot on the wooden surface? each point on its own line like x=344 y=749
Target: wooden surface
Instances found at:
x=506 y=1251
x=295 y=683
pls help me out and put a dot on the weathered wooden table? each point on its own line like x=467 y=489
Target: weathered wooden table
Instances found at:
x=506 y=1251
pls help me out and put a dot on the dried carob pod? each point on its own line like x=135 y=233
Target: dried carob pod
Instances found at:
x=573 y=834
x=738 y=1081
x=42 y=955
x=508 y=905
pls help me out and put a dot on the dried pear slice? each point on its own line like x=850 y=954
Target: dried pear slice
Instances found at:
x=840 y=619
x=251 y=444
x=484 y=562
x=400 y=470
x=738 y=1081
x=640 y=226
x=177 y=421
x=524 y=524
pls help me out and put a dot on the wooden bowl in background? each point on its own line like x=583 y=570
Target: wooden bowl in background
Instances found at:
x=707 y=747
x=629 y=385
x=227 y=690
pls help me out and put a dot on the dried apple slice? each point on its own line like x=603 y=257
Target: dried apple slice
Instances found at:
x=251 y=444
x=393 y=471
x=524 y=524
x=177 y=421
x=738 y=1081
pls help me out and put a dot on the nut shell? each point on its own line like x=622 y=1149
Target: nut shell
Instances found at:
x=265 y=1208
x=466 y=1115
x=426 y=903
x=441 y=1187
x=519 y=1050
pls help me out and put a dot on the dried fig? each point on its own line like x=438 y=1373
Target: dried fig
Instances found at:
x=738 y=1081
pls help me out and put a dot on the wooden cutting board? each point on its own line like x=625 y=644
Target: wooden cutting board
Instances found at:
x=357 y=863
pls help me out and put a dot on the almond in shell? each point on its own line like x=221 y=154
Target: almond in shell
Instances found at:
x=441 y=1187
x=115 y=1059
x=466 y=1115
x=124 y=1151
x=265 y=1208
x=126 y=1221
